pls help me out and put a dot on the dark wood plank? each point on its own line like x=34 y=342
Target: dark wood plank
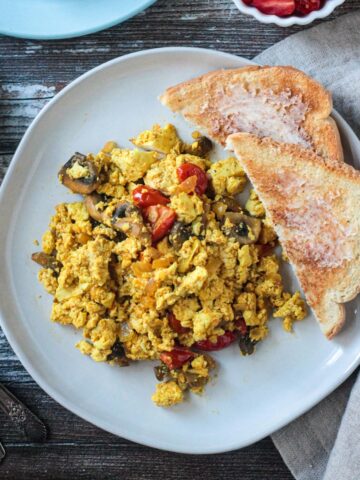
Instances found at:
x=31 y=73
x=132 y=462
x=4 y=163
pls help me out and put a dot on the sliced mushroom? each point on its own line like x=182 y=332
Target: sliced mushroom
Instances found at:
x=90 y=203
x=118 y=355
x=125 y=209
x=195 y=381
x=200 y=147
x=124 y=214
x=84 y=185
x=128 y=219
x=246 y=345
x=225 y=204
x=179 y=233
x=243 y=228
x=231 y=203
x=46 y=261
x=161 y=372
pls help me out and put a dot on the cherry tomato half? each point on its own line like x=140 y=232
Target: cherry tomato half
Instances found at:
x=175 y=323
x=145 y=196
x=161 y=219
x=188 y=170
x=222 y=341
x=176 y=357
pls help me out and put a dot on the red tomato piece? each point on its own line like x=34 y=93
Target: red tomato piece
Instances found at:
x=281 y=8
x=187 y=170
x=222 y=341
x=176 y=357
x=175 y=323
x=307 y=6
x=161 y=219
x=247 y=2
x=145 y=196
x=241 y=326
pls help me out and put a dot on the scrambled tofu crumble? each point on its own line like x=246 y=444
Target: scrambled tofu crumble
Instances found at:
x=160 y=261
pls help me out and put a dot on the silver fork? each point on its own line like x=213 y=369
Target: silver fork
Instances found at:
x=29 y=424
x=2 y=452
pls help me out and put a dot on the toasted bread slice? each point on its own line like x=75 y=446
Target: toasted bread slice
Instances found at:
x=278 y=102
x=314 y=206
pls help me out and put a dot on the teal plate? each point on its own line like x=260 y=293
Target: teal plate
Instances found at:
x=56 y=19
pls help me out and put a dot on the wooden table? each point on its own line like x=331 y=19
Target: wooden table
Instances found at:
x=31 y=73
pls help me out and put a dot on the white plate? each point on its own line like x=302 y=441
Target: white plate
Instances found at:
x=252 y=396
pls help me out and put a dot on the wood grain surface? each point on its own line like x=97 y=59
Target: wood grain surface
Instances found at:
x=31 y=73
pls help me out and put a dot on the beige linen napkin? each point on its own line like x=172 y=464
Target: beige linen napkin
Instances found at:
x=324 y=444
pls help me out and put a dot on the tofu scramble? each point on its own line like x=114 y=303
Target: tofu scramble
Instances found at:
x=159 y=261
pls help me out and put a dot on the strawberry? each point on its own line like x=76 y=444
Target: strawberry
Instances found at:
x=281 y=8
x=304 y=7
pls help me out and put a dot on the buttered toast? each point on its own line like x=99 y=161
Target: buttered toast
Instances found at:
x=278 y=102
x=314 y=207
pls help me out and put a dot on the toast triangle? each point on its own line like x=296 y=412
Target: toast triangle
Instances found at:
x=278 y=102
x=314 y=205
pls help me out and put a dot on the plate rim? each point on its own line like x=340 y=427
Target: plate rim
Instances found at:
x=311 y=400
x=82 y=32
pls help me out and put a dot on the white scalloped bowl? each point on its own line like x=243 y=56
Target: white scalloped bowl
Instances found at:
x=328 y=7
